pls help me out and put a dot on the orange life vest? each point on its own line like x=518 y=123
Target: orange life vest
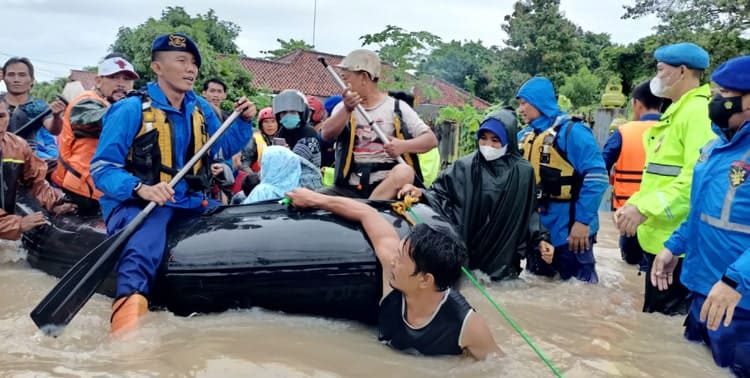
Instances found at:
x=72 y=173
x=629 y=166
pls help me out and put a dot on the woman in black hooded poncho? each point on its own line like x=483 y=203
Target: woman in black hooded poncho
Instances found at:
x=489 y=197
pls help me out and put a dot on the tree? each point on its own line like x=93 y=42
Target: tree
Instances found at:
x=403 y=51
x=583 y=88
x=545 y=42
x=48 y=90
x=694 y=15
x=215 y=39
x=286 y=47
x=463 y=64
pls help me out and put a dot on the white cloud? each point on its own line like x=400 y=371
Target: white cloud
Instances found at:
x=60 y=35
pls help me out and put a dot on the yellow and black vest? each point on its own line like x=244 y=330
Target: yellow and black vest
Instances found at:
x=345 y=164
x=556 y=178
x=151 y=157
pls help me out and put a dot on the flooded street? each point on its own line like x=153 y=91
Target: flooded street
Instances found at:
x=585 y=330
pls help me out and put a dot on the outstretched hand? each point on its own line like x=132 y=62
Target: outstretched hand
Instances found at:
x=302 y=198
x=64 y=208
x=32 y=220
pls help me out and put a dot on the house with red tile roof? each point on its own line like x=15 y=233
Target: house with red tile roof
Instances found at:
x=301 y=70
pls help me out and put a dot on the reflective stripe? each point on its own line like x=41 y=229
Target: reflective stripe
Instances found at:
x=726 y=210
x=597 y=177
x=9 y=160
x=663 y=170
x=725 y=224
x=101 y=163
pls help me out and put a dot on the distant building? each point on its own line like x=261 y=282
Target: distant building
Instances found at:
x=301 y=70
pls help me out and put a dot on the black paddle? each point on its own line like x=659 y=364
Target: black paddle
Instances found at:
x=75 y=288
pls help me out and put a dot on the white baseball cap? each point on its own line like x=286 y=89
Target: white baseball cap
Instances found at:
x=111 y=66
x=362 y=60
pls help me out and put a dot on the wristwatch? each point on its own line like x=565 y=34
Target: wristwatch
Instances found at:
x=730 y=282
x=136 y=188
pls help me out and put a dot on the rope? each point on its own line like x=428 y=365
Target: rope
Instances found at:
x=401 y=208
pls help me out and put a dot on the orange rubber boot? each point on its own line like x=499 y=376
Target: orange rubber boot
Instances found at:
x=126 y=311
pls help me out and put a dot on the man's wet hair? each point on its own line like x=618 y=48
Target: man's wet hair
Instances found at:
x=15 y=60
x=214 y=80
x=436 y=250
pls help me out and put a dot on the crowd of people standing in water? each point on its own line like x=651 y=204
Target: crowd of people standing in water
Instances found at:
x=528 y=193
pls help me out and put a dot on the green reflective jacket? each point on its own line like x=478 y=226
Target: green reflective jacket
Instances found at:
x=672 y=149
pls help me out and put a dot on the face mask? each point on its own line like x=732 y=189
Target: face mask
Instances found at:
x=659 y=87
x=720 y=109
x=491 y=153
x=290 y=121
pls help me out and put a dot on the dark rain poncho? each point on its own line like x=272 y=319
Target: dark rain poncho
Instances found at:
x=492 y=205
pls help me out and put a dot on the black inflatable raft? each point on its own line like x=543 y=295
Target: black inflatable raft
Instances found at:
x=265 y=255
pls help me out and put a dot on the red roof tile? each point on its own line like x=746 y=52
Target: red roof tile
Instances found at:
x=301 y=70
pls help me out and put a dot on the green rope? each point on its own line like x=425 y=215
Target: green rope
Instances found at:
x=503 y=313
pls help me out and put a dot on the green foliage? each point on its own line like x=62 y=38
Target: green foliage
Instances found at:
x=49 y=90
x=463 y=64
x=583 y=88
x=694 y=15
x=564 y=103
x=403 y=50
x=215 y=39
x=546 y=43
x=400 y=48
x=287 y=47
x=468 y=120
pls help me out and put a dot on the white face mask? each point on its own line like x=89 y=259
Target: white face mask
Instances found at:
x=659 y=87
x=491 y=153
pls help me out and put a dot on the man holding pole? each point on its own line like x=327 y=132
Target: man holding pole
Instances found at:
x=145 y=141
x=366 y=165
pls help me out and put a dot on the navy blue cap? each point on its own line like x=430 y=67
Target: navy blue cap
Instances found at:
x=496 y=127
x=176 y=42
x=734 y=74
x=685 y=53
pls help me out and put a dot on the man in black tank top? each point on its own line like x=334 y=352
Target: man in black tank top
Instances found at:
x=419 y=312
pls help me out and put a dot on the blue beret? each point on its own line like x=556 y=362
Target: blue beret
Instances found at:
x=734 y=74
x=176 y=42
x=689 y=54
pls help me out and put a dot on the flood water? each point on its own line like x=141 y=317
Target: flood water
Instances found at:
x=585 y=330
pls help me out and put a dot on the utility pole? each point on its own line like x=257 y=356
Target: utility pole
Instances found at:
x=315 y=17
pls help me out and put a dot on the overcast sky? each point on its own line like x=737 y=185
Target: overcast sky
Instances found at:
x=62 y=35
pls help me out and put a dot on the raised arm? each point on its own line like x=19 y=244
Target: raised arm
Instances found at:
x=383 y=236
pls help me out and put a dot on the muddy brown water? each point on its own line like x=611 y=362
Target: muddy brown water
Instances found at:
x=585 y=330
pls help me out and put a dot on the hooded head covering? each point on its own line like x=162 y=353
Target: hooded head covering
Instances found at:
x=496 y=122
x=479 y=196
x=279 y=173
x=540 y=93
